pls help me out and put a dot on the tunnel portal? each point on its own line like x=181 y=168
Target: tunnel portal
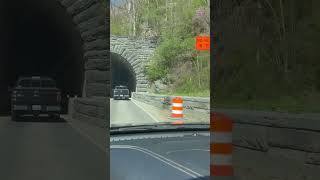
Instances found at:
x=122 y=72
x=40 y=40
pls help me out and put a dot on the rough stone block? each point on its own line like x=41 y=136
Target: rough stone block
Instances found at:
x=97 y=54
x=98 y=44
x=311 y=172
x=142 y=86
x=255 y=165
x=68 y=3
x=313 y=158
x=250 y=136
x=294 y=139
x=91 y=110
x=81 y=5
x=97 y=64
x=98 y=89
x=91 y=24
x=96 y=76
x=299 y=156
x=93 y=34
x=93 y=11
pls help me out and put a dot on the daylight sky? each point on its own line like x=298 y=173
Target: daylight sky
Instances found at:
x=116 y=2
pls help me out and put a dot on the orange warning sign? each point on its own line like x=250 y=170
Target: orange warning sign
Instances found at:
x=203 y=43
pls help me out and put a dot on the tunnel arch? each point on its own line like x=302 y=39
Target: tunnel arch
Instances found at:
x=63 y=39
x=137 y=53
x=122 y=72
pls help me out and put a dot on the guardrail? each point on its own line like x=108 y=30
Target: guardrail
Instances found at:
x=164 y=101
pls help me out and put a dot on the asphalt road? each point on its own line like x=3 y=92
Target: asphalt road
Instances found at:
x=126 y=111
x=39 y=149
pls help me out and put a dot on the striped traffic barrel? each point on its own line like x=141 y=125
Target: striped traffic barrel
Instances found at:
x=220 y=146
x=177 y=108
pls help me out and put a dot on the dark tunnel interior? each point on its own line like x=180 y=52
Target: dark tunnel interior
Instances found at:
x=122 y=72
x=40 y=40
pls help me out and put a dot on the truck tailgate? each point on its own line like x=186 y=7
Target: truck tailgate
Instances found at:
x=36 y=96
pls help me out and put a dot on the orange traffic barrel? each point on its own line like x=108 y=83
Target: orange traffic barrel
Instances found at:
x=177 y=108
x=220 y=146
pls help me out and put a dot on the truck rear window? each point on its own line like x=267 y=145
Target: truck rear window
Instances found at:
x=121 y=87
x=25 y=83
x=35 y=83
x=48 y=83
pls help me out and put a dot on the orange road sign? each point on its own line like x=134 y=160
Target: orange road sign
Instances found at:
x=203 y=43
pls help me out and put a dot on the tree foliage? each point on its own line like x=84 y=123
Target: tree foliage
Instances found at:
x=174 y=25
x=271 y=48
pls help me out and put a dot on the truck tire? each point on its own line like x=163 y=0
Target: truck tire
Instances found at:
x=55 y=117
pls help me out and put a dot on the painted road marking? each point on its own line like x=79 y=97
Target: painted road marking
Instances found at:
x=152 y=117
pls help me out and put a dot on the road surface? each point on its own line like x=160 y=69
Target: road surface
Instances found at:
x=126 y=111
x=39 y=149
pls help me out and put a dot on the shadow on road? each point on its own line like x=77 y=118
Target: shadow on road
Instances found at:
x=41 y=119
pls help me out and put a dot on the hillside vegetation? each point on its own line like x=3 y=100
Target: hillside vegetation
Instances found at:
x=271 y=56
x=174 y=24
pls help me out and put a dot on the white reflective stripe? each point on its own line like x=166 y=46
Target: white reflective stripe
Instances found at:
x=20 y=107
x=177 y=104
x=220 y=159
x=220 y=137
x=176 y=111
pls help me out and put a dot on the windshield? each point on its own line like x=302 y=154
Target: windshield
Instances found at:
x=162 y=57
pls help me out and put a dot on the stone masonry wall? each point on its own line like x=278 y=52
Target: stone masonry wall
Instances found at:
x=89 y=18
x=93 y=111
x=275 y=146
x=137 y=52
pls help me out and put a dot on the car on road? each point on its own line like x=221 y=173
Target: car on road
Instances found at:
x=121 y=92
x=35 y=96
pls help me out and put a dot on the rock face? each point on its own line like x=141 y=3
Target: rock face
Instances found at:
x=138 y=53
x=158 y=87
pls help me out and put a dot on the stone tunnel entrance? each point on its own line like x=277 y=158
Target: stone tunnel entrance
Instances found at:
x=122 y=72
x=40 y=40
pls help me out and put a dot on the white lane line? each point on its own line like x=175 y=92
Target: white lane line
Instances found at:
x=152 y=117
x=86 y=136
x=161 y=158
x=184 y=150
x=173 y=162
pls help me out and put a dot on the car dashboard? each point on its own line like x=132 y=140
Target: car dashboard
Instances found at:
x=158 y=156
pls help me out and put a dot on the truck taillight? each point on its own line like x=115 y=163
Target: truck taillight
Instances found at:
x=14 y=94
x=59 y=97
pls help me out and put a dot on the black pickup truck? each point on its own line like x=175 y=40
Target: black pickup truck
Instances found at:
x=35 y=96
x=121 y=92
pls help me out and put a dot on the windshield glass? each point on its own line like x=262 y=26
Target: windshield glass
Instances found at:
x=162 y=57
